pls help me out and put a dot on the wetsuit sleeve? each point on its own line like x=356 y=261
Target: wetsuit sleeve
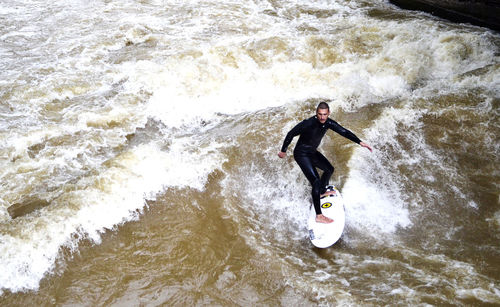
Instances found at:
x=291 y=134
x=344 y=132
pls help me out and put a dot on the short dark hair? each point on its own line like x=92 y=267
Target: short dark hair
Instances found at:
x=323 y=105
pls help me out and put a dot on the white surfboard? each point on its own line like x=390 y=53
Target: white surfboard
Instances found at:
x=325 y=235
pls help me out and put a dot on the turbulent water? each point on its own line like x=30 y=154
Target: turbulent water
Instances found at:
x=152 y=130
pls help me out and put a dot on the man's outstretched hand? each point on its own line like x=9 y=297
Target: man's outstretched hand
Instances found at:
x=281 y=154
x=366 y=146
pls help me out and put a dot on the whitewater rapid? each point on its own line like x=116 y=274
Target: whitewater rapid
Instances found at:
x=109 y=107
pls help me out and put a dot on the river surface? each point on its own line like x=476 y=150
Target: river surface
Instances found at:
x=152 y=128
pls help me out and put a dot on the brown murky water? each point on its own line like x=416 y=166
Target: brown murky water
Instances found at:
x=152 y=130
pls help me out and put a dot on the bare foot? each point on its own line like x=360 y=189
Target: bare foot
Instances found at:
x=328 y=193
x=320 y=218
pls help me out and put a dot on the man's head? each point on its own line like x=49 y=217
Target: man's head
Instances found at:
x=322 y=112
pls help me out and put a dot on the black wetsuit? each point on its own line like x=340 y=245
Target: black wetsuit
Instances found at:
x=311 y=132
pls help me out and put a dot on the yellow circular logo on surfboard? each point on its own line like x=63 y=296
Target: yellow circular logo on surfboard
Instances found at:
x=326 y=205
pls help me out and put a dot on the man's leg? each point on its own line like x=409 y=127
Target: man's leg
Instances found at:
x=322 y=163
x=307 y=167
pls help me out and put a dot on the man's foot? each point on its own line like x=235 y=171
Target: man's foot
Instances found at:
x=320 y=218
x=328 y=193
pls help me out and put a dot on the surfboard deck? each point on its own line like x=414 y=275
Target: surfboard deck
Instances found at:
x=325 y=235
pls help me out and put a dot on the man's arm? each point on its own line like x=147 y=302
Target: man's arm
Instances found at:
x=289 y=137
x=343 y=131
x=348 y=134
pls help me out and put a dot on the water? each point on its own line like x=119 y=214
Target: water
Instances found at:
x=152 y=128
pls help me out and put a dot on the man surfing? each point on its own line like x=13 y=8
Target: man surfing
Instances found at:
x=307 y=156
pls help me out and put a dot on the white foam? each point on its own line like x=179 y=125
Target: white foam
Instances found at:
x=490 y=295
x=496 y=219
x=373 y=196
x=192 y=90
x=372 y=207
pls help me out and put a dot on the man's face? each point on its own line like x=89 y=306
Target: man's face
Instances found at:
x=322 y=115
